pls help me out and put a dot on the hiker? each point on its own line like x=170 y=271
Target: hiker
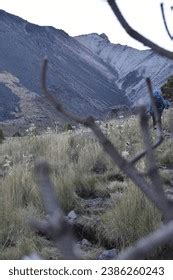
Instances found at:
x=161 y=104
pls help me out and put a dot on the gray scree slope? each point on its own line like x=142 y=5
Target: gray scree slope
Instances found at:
x=84 y=83
x=132 y=66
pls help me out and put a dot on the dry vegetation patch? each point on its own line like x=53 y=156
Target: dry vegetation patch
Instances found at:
x=81 y=173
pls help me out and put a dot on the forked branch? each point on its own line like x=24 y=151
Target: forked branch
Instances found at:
x=164 y=20
x=136 y=35
x=153 y=190
x=148 y=244
x=55 y=226
x=158 y=124
x=159 y=200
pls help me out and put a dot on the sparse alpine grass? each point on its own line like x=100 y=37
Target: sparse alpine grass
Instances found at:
x=80 y=170
x=131 y=218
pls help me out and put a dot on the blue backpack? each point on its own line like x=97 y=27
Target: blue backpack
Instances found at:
x=160 y=102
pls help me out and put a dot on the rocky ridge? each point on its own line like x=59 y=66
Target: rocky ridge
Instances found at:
x=81 y=80
x=131 y=65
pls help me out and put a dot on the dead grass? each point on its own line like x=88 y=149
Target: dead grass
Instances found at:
x=79 y=169
x=132 y=217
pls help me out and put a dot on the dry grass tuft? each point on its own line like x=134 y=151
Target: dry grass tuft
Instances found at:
x=80 y=170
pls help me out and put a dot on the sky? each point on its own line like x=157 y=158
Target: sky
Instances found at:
x=78 y=17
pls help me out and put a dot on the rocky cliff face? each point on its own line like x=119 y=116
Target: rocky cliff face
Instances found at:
x=132 y=66
x=81 y=80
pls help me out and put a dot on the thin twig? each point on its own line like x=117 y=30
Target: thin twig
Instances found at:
x=148 y=244
x=143 y=153
x=151 y=162
x=136 y=35
x=161 y=203
x=164 y=20
x=155 y=110
x=55 y=226
x=158 y=124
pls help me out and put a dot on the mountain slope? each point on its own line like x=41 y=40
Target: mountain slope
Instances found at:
x=19 y=107
x=132 y=65
x=82 y=81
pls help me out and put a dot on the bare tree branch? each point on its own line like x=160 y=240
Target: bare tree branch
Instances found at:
x=55 y=226
x=136 y=35
x=143 y=153
x=164 y=20
x=149 y=243
x=158 y=124
x=153 y=190
x=156 y=113
x=152 y=167
x=160 y=202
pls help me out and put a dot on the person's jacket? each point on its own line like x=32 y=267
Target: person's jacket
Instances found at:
x=160 y=102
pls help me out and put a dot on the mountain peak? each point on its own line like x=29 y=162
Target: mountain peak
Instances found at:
x=6 y=16
x=3 y=12
x=104 y=36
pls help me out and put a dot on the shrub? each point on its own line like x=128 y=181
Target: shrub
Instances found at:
x=67 y=127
